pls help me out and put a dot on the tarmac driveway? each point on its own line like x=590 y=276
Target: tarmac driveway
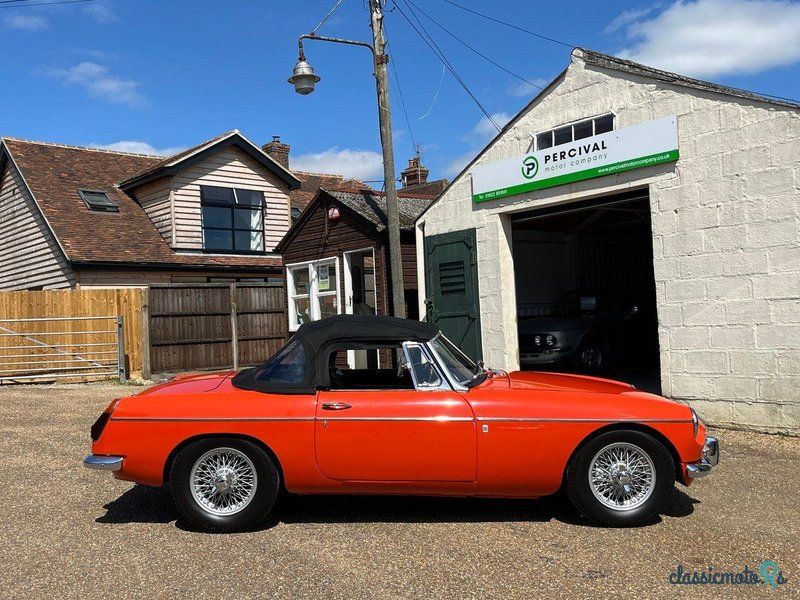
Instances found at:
x=72 y=533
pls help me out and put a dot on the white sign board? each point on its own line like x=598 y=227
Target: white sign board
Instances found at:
x=642 y=145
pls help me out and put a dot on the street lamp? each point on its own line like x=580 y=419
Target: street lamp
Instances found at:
x=303 y=79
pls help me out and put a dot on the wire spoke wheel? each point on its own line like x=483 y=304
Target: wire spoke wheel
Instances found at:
x=622 y=476
x=223 y=481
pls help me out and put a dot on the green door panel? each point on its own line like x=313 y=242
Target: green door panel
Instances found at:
x=451 y=276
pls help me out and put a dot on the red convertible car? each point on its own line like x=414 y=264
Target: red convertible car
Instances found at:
x=378 y=405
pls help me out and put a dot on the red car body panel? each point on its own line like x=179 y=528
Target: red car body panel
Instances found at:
x=511 y=436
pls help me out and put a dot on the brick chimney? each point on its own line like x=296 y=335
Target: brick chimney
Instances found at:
x=277 y=151
x=414 y=174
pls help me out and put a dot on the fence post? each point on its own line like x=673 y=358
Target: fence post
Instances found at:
x=121 y=350
x=145 y=315
x=234 y=332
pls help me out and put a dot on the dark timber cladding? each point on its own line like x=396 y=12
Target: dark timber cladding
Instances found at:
x=340 y=221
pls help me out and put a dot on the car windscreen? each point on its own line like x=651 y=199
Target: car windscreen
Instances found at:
x=583 y=303
x=287 y=366
x=460 y=366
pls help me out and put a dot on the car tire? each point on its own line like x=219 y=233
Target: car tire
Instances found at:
x=621 y=478
x=224 y=485
x=590 y=357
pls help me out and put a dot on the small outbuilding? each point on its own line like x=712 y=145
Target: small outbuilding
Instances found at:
x=336 y=255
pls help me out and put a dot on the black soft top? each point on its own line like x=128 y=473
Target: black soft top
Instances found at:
x=320 y=338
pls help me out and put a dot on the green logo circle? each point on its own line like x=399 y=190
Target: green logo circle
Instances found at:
x=530 y=167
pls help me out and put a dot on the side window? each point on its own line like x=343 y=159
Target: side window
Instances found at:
x=423 y=371
x=374 y=369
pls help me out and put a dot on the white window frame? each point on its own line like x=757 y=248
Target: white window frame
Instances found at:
x=314 y=294
x=572 y=125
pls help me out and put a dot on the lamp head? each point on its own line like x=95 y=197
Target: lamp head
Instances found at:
x=303 y=77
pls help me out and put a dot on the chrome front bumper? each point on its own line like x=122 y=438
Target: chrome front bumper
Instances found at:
x=103 y=463
x=710 y=459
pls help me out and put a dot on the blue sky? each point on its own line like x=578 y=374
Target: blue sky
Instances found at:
x=160 y=76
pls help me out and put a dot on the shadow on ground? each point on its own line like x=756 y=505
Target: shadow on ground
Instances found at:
x=143 y=504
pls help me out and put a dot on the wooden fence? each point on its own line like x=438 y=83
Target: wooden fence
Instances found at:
x=206 y=326
x=63 y=304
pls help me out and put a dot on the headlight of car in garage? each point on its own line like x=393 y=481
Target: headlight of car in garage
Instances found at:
x=550 y=340
x=537 y=340
x=695 y=422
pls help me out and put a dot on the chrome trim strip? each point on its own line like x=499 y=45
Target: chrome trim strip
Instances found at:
x=103 y=463
x=599 y=420
x=442 y=418
x=203 y=419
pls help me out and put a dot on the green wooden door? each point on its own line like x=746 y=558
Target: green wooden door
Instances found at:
x=451 y=275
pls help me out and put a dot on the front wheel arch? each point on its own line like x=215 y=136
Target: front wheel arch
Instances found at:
x=655 y=433
x=207 y=436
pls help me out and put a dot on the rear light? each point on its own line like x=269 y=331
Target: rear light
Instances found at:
x=102 y=421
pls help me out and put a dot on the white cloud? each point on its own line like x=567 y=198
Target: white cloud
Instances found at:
x=629 y=16
x=359 y=164
x=455 y=166
x=478 y=137
x=524 y=89
x=26 y=22
x=138 y=147
x=99 y=83
x=101 y=12
x=484 y=129
x=707 y=38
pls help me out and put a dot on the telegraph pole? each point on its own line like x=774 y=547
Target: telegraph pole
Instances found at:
x=385 y=118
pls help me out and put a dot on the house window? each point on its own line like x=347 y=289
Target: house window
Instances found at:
x=233 y=219
x=576 y=131
x=313 y=291
x=98 y=201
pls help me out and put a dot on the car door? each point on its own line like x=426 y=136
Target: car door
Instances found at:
x=412 y=435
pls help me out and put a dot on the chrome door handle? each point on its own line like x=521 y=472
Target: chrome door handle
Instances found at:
x=335 y=406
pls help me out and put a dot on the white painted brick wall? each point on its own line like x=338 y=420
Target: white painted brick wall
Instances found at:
x=726 y=227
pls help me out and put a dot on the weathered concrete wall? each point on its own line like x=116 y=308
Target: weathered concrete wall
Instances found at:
x=726 y=239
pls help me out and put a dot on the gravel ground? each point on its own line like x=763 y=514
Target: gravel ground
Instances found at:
x=73 y=533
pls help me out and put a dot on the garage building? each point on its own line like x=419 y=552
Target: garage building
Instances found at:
x=648 y=223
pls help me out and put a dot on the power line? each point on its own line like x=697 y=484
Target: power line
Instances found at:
x=483 y=56
x=402 y=102
x=528 y=31
x=18 y=3
x=440 y=55
x=330 y=12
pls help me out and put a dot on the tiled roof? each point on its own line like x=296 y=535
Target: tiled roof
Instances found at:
x=310 y=183
x=54 y=173
x=372 y=205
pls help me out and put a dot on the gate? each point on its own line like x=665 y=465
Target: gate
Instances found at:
x=51 y=348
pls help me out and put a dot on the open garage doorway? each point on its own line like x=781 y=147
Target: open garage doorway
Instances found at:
x=586 y=300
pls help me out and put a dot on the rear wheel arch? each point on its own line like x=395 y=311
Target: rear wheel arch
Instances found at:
x=641 y=427
x=209 y=436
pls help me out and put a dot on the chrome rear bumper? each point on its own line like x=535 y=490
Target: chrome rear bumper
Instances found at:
x=103 y=463
x=709 y=460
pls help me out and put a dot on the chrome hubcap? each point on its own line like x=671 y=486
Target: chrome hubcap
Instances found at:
x=223 y=481
x=622 y=476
